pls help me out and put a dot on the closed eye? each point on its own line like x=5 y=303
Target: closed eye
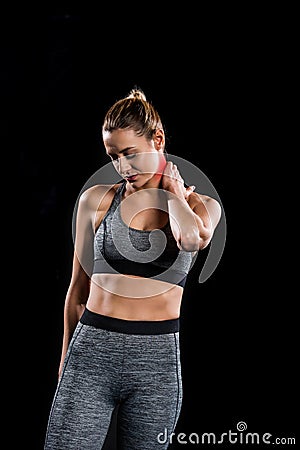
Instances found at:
x=115 y=157
x=132 y=155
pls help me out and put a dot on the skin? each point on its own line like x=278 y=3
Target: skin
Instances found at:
x=193 y=218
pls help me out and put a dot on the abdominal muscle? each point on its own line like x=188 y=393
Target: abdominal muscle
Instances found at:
x=134 y=298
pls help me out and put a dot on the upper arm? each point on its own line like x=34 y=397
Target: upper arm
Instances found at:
x=92 y=205
x=210 y=209
x=83 y=233
x=208 y=213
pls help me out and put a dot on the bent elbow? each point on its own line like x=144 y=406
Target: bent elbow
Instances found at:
x=195 y=241
x=205 y=238
x=190 y=242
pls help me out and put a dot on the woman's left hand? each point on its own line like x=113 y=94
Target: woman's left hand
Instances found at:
x=172 y=181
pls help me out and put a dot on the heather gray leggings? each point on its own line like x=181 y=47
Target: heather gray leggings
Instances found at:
x=137 y=370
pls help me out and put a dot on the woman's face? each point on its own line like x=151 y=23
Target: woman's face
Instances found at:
x=135 y=158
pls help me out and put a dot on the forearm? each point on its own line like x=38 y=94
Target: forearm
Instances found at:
x=74 y=306
x=184 y=224
x=191 y=225
x=72 y=314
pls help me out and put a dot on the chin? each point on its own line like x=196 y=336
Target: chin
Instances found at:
x=143 y=180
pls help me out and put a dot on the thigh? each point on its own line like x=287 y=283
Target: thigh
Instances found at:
x=148 y=416
x=84 y=399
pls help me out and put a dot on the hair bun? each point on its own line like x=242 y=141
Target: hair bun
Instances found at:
x=137 y=93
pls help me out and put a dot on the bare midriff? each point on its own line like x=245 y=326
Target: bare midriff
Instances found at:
x=134 y=298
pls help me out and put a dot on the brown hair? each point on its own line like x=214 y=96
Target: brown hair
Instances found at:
x=133 y=112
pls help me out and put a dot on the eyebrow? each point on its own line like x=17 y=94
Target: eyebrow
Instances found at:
x=125 y=149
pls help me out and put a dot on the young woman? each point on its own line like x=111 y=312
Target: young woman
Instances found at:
x=135 y=243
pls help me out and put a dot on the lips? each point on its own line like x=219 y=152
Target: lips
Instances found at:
x=132 y=177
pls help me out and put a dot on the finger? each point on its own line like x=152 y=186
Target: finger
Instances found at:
x=189 y=190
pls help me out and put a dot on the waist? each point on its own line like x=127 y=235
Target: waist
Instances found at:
x=145 y=327
x=134 y=298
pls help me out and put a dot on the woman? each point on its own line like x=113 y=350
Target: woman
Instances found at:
x=135 y=243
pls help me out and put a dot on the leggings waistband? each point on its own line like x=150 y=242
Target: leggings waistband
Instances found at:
x=129 y=326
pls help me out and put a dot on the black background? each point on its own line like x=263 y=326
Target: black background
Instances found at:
x=218 y=89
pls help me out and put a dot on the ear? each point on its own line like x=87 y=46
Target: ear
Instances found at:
x=159 y=139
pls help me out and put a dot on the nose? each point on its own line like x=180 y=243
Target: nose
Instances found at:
x=124 y=165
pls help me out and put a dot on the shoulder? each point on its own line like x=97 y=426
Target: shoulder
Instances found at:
x=98 y=196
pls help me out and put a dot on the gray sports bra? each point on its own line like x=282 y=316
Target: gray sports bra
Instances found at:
x=119 y=248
